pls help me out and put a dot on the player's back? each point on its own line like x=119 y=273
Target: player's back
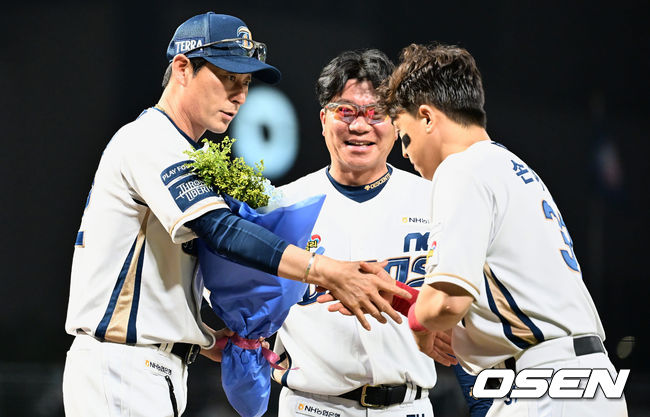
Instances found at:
x=531 y=280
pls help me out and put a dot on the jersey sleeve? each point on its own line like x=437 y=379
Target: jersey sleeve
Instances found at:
x=158 y=175
x=461 y=223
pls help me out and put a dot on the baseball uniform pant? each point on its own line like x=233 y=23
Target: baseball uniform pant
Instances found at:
x=301 y=404
x=103 y=379
x=549 y=407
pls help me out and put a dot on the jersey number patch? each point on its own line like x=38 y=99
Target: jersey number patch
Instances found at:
x=568 y=255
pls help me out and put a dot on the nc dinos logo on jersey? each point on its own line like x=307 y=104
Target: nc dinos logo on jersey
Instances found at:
x=313 y=242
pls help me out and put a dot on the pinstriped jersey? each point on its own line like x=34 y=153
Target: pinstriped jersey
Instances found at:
x=133 y=273
x=332 y=353
x=497 y=233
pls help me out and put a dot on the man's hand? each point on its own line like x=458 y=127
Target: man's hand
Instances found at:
x=326 y=298
x=360 y=287
x=215 y=352
x=437 y=345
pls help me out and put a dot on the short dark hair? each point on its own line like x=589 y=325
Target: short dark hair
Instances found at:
x=445 y=76
x=197 y=63
x=370 y=64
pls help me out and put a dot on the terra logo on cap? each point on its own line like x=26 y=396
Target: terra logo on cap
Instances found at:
x=187 y=44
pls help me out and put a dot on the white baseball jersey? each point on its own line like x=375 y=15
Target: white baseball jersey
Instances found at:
x=497 y=233
x=133 y=281
x=331 y=353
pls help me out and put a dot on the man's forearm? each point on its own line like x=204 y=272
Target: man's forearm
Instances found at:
x=240 y=240
x=440 y=309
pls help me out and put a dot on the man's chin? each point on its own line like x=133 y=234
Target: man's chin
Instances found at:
x=219 y=128
x=368 y=157
x=424 y=174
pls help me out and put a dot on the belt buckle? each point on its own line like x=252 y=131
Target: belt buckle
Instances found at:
x=362 y=400
x=192 y=353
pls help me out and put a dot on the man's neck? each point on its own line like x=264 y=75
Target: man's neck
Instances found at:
x=457 y=138
x=357 y=177
x=170 y=108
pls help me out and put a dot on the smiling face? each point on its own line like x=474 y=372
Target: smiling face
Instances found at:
x=358 y=150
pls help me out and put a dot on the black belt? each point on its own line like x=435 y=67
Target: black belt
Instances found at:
x=586 y=345
x=378 y=396
x=186 y=351
x=582 y=345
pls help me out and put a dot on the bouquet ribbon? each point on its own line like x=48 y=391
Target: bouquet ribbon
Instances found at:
x=251 y=344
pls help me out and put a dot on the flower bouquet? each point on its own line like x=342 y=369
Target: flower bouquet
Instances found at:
x=252 y=303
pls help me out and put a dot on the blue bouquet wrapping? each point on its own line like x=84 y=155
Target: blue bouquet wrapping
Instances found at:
x=253 y=303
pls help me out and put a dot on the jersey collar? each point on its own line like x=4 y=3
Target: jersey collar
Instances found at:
x=194 y=144
x=361 y=193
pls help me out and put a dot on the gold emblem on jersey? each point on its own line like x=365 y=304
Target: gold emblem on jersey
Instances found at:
x=377 y=183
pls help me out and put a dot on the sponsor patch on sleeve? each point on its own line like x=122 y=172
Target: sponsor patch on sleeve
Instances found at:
x=189 y=191
x=177 y=170
x=185 y=187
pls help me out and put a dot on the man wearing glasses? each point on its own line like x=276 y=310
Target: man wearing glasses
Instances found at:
x=334 y=366
x=134 y=305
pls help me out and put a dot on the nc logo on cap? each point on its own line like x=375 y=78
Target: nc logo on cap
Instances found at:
x=245 y=33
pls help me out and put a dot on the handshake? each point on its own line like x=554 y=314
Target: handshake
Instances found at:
x=376 y=292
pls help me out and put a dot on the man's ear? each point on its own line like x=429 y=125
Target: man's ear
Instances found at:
x=181 y=68
x=323 y=115
x=427 y=114
x=395 y=132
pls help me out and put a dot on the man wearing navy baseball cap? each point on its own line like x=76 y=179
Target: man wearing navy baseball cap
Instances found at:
x=224 y=41
x=135 y=300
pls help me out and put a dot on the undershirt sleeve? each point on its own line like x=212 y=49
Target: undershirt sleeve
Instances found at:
x=240 y=240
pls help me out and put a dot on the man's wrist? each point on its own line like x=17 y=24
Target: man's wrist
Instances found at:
x=318 y=274
x=414 y=324
x=402 y=304
x=309 y=266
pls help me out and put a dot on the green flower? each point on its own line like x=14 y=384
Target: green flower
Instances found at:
x=214 y=165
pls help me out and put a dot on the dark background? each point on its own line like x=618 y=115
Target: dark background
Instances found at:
x=566 y=89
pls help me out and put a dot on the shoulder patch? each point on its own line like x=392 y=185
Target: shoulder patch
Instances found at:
x=190 y=190
x=177 y=170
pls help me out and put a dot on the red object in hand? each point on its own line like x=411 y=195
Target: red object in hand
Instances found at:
x=402 y=304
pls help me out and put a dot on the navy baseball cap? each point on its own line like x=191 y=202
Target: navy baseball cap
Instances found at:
x=224 y=41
